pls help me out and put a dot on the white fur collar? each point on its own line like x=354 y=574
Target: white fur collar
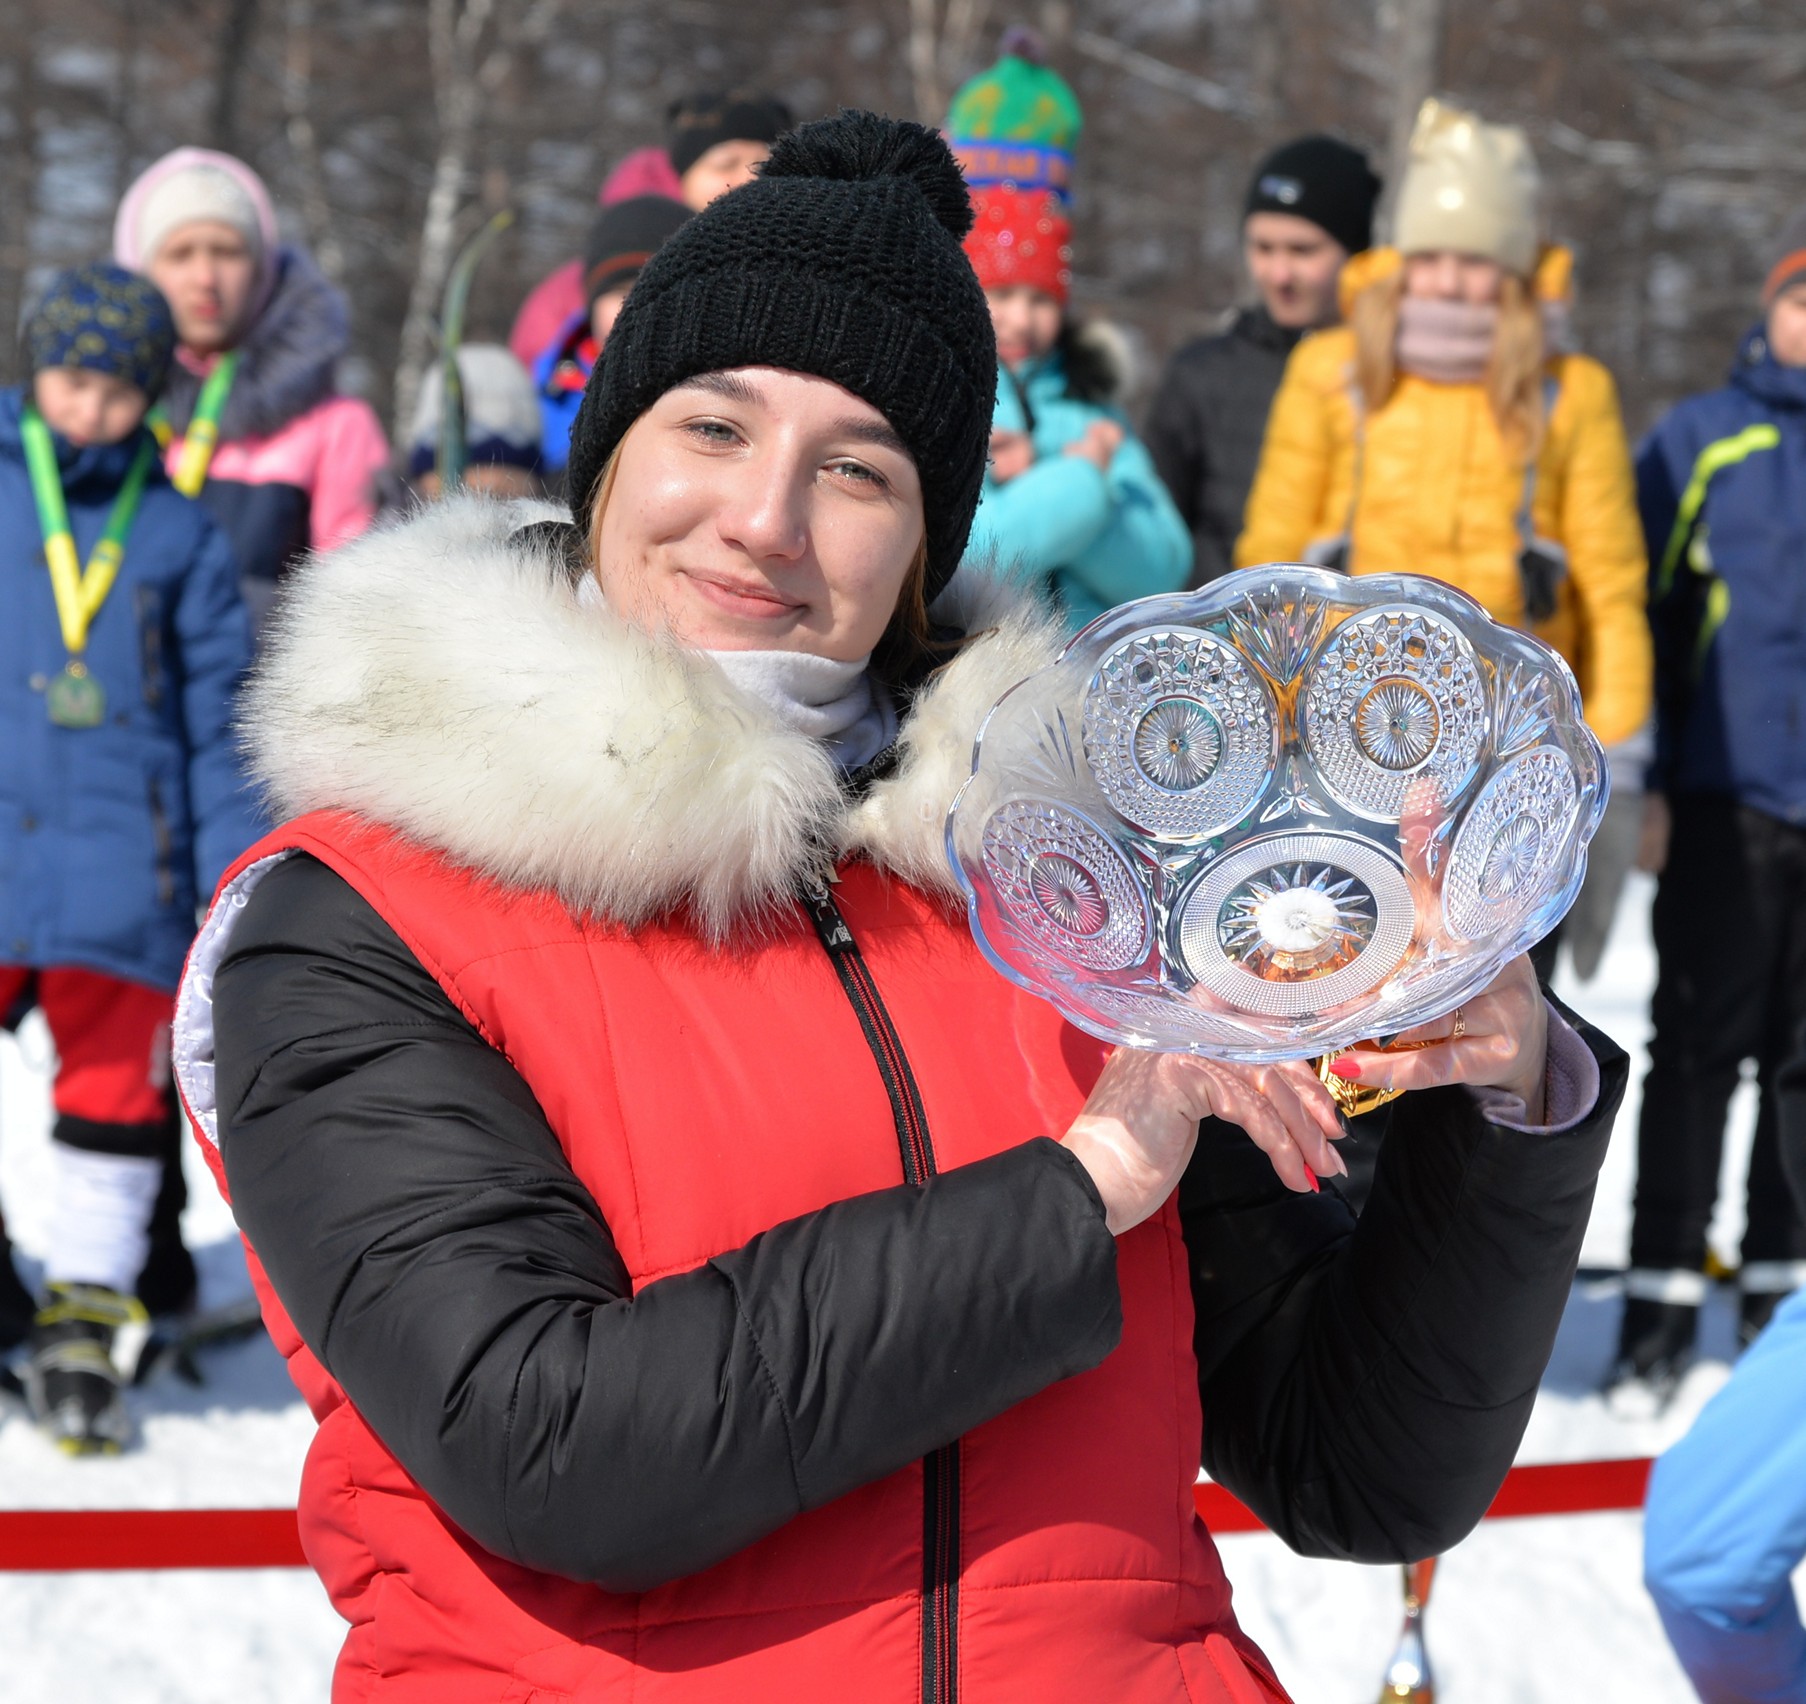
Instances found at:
x=444 y=679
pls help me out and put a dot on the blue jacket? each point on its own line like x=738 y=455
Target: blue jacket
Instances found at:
x=1724 y=1527
x=1088 y=539
x=1721 y=483
x=559 y=401
x=111 y=836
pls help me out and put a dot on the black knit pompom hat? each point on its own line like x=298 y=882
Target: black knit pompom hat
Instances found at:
x=842 y=260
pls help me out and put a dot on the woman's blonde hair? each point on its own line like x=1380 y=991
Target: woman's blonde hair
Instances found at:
x=907 y=648
x=1514 y=374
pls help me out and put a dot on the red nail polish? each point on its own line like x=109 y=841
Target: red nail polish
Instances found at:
x=1345 y=1068
x=1311 y=1178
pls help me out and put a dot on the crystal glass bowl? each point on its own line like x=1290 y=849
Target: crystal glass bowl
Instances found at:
x=1277 y=816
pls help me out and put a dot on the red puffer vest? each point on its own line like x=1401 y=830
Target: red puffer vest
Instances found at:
x=702 y=1097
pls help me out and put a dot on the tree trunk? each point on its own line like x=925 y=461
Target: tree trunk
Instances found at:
x=297 y=100
x=453 y=28
x=229 y=73
x=1414 y=30
x=18 y=175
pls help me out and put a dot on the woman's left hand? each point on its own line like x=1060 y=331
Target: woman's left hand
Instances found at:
x=1498 y=1040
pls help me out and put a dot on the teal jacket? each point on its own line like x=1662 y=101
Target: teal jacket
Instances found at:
x=1088 y=540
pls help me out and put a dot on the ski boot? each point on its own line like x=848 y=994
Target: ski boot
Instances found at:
x=72 y=1383
x=168 y=1284
x=1655 y=1350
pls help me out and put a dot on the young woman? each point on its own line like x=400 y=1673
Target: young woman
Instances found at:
x=712 y=1279
x=1445 y=429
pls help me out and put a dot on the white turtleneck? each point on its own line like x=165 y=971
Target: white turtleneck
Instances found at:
x=829 y=701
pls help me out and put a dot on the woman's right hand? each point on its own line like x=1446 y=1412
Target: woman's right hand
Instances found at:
x=1136 y=1133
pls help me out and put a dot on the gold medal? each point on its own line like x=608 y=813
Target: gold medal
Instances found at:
x=76 y=699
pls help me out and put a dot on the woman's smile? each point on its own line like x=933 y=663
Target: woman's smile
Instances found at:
x=750 y=599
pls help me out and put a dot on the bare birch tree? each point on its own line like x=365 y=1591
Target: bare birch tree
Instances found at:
x=472 y=46
x=303 y=139
x=1413 y=31
x=942 y=36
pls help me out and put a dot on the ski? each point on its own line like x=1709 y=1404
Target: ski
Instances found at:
x=171 y=1345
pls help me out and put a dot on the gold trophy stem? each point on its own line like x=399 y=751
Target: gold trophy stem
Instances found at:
x=1408 y=1677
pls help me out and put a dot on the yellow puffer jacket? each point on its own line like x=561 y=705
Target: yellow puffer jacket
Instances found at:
x=1440 y=496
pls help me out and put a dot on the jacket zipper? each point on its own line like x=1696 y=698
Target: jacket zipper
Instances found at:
x=940 y=1468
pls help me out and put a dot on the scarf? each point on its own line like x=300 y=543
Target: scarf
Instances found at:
x=1448 y=343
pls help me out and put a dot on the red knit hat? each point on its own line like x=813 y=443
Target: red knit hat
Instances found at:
x=1020 y=237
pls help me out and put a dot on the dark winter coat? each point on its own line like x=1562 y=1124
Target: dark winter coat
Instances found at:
x=1721 y=483
x=297 y=464
x=690 y=1296
x=1205 y=427
x=110 y=835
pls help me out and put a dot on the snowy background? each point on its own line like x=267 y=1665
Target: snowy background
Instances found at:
x=1529 y=1609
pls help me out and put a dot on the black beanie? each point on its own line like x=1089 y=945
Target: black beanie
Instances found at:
x=840 y=260
x=1323 y=180
x=624 y=237
x=700 y=122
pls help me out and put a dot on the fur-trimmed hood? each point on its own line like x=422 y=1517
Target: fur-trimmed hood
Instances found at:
x=442 y=676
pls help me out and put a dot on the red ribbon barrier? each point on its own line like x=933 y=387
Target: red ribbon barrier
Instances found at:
x=57 y=1540
x=1537 y=1488
x=60 y=1540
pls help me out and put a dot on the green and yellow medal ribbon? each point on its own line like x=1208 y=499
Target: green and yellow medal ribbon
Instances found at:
x=202 y=436
x=79 y=592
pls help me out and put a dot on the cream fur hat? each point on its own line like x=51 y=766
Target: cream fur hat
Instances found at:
x=1469 y=186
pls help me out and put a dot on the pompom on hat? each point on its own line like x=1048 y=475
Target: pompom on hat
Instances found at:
x=103 y=319
x=188 y=185
x=1470 y=187
x=1017 y=123
x=841 y=260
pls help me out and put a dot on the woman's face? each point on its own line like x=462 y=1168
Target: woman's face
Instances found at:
x=1026 y=321
x=207 y=270
x=761 y=510
x=1443 y=275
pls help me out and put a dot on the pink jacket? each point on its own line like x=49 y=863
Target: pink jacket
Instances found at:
x=552 y=301
x=332 y=453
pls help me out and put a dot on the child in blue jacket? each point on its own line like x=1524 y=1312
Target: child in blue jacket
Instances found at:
x=122 y=645
x=1722 y=488
x=1725 y=1527
x=625 y=235
x=1071 y=501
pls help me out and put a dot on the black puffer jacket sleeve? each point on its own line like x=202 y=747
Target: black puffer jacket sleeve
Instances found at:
x=1366 y=1386
x=421 y=1225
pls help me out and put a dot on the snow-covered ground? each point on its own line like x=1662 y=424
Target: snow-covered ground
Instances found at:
x=1524 y=1610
